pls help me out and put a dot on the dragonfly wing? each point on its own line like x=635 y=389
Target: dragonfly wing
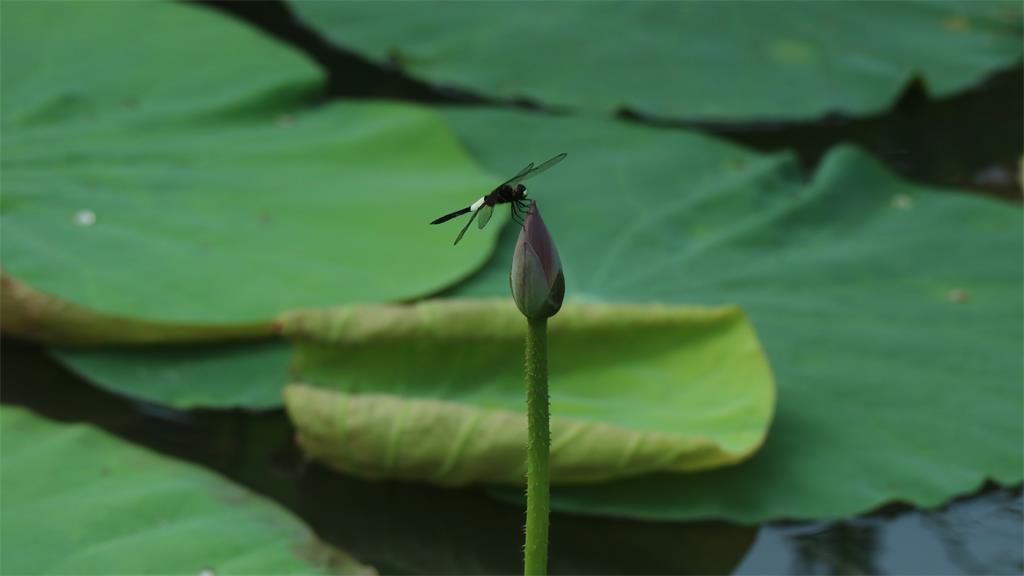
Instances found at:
x=532 y=171
x=522 y=174
x=466 y=227
x=555 y=160
x=485 y=212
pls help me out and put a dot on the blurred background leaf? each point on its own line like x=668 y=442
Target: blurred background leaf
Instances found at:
x=708 y=61
x=78 y=501
x=68 y=63
x=890 y=312
x=712 y=181
x=28 y=313
x=216 y=216
x=866 y=290
x=242 y=374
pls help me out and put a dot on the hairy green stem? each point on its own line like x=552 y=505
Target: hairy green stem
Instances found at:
x=538 y=445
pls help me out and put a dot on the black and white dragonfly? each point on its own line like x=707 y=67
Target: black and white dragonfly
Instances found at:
x=511 y=192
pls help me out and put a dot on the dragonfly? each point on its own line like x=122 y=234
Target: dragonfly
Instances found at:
x=510 y=191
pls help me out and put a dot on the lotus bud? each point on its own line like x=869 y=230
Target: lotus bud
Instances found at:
x=538 y=284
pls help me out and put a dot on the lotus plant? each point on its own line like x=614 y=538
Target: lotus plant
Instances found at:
x=538 y=287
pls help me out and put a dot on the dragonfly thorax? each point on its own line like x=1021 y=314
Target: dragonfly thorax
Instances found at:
x=505 y=194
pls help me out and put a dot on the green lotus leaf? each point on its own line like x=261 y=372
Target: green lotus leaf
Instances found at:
x=890 y=312
x=202 y=190
x=435 y=390
x=185 y=376
x=68 y=63
x=719 y=61
x=237 y=375
x=28 y=313
x=79 y=501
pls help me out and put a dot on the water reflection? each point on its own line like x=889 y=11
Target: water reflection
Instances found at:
x=842 y=549
x=970 y=545
x=980 y=534
x=416 y=528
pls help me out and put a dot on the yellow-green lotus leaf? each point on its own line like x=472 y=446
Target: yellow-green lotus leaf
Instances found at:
x=434 y=391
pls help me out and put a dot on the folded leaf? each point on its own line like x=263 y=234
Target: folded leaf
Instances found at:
x=28 y=313
x=434 y=390
x=79 y=501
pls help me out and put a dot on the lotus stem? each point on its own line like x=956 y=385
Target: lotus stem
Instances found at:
x=538 y=448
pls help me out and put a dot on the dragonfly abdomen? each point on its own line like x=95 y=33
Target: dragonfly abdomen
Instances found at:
x=451 y=215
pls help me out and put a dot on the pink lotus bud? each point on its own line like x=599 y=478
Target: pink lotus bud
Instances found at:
x=538 y=284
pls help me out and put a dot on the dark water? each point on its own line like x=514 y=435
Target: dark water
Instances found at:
x=414 y=528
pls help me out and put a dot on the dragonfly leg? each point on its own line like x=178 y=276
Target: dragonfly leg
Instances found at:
x=515 y=214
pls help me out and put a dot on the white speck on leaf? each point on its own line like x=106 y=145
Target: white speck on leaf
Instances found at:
x=85 y=217
x=958 y=295
x=902 y=202
x=207 y=572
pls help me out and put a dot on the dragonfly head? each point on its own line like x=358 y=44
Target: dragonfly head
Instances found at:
x=520 y=191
